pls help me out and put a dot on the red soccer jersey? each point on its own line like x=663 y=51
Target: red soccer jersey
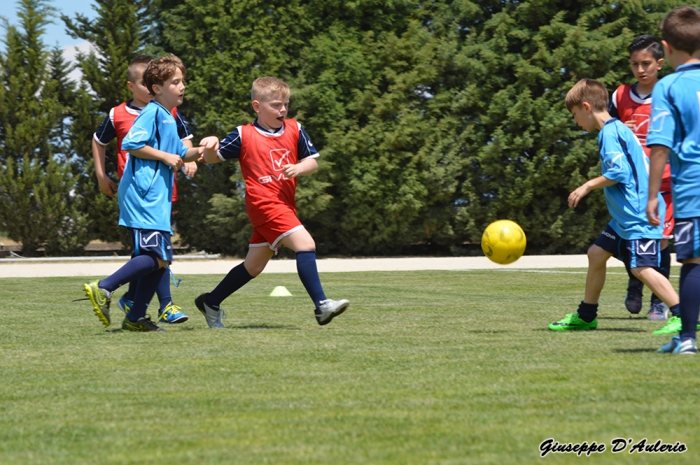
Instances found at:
x=269 y=193
x=123 y=119
x=631 y=107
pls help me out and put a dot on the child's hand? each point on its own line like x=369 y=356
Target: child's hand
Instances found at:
x=630 y=124
x=174 y=161
x=291 y=171
x=653 y=211
x=210 y=143
x=190 y=169
x=576 y=196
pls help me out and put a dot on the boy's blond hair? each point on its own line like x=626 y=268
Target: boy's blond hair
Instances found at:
x=590 y=91
x=681 y=29
x=267 y=87
x=131 y=74
x=160 y=70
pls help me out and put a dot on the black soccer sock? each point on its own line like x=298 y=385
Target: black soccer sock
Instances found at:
x=234 y=280
x=587 y=312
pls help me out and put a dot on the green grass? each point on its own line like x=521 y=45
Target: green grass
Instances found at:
x=424 y=368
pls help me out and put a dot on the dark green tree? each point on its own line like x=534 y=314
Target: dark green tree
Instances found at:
x=38 y=206
x=116 y=36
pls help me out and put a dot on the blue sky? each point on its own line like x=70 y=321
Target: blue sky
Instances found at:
x=55 y=33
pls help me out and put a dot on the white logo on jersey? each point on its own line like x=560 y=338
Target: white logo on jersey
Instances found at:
x=657 y=122
x=266 y=179
x=279 y=157
x=681 y=232
x=641 y=127
x=614 y=164
x=136 y=132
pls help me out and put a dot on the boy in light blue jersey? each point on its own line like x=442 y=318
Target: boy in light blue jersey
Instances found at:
x=145 y=195
x=675 y=133
x=629 y=236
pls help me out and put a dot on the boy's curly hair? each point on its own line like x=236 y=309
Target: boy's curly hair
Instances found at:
x=160 y=70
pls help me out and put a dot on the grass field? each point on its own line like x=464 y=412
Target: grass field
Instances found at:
x=424 y=368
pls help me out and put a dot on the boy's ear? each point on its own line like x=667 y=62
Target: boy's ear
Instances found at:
x=668 y=50
x=660 y=62
x=586 y=106
x=157 y=89
x=256 y=106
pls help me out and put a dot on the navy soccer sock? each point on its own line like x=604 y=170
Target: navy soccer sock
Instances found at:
x=132 y=270
x=690 y=299
x=587 y=312
x=163 y=290
x=308 y=273
x=234 y=280
x=664 y=268
x=145 y=289
x=131 y=291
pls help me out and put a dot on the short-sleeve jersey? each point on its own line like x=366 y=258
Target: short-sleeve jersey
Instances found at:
x=146 y=188
x=262 y=154
x=623 y=161
x=675 y=123
x=117 y=124
x=629 y=105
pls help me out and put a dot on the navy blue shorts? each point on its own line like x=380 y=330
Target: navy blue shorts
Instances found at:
x=686 y=238
x=634 y=253
x=149 y=242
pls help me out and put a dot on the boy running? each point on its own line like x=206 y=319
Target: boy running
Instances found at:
x=272 y=151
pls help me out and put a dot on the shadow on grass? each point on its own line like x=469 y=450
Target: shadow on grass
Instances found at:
x=625 y=318
x=639 y=350
x=265 y=326
x=486 y=331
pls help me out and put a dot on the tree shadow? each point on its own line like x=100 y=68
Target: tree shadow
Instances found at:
x=639 y=350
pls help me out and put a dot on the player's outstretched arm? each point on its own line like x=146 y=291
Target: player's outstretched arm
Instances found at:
x=98 y=155
x=583 y=190
x=209 y=146
x=189 y=168
x=304 y=167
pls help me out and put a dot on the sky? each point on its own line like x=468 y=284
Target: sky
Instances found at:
x=55 y=33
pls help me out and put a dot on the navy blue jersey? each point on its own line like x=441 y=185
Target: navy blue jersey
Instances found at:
x=230 y=146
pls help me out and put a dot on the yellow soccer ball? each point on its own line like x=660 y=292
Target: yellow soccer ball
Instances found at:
x=503 y=242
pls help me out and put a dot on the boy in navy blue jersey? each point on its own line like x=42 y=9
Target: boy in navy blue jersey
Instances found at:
x=145 y=195
x=675 y=133
x=629 y=236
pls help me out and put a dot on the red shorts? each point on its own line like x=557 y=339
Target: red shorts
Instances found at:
x=668 y=221
x=271 y=233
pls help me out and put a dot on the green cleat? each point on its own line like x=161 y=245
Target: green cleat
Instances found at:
x=100 y=300
x=572 y=322
x=673 y=326
x=141 y=326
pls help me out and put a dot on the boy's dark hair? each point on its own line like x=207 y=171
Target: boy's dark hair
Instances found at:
x=587 y=90
x=647 y=42
x=138 y=60
x=160 y=70
x=681 y=29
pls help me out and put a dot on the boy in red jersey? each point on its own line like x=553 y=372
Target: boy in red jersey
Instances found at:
x=631 y=104
x=116 y=125
x=272 y=152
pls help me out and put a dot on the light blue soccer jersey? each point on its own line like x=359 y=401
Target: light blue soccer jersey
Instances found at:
x=623 y=161
x=675 y=123
x=146 y=189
